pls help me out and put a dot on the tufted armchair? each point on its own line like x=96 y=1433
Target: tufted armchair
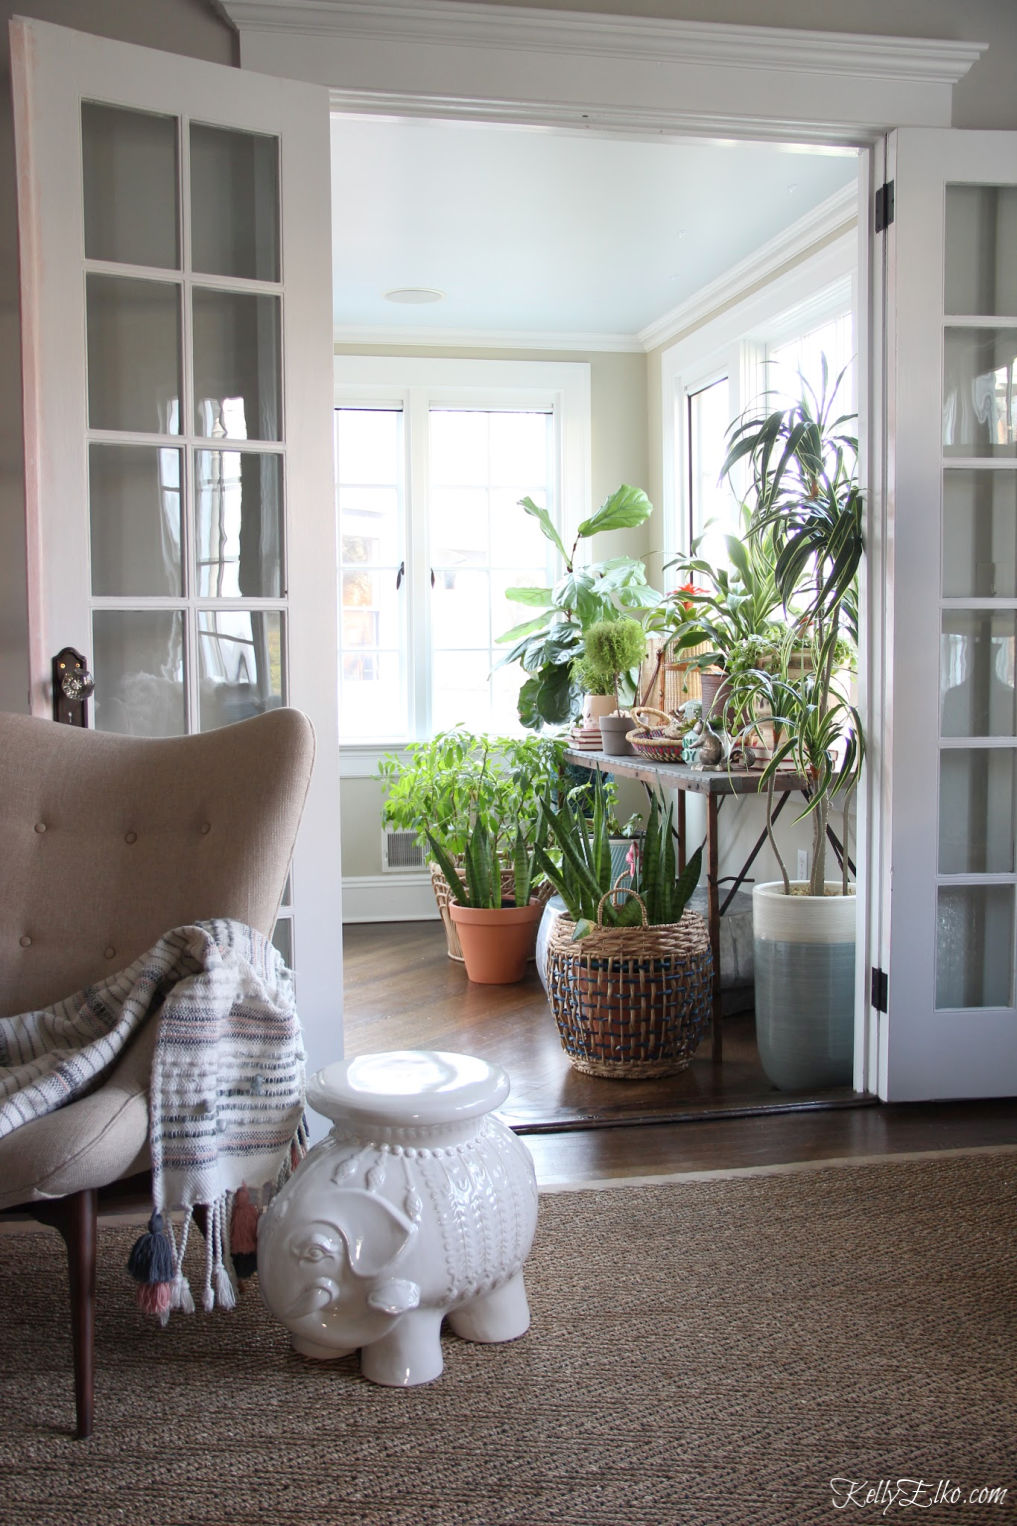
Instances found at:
x=108 y=842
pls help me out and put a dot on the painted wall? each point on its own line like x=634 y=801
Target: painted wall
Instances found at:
x=620 y=453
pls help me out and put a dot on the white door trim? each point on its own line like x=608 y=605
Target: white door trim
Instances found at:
x=623 y=72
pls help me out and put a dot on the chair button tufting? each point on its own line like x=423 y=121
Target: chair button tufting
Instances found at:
x=25 y=941
x=206 y=827
x=40 y=826
x=130 y=837
x=109 y=951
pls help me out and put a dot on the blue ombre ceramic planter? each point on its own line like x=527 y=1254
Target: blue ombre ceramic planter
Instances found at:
x=804 y=963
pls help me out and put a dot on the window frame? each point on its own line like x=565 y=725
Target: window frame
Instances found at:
x=415 y=384
x=734 y=343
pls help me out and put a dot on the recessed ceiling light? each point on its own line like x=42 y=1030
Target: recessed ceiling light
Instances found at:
x=414 y=295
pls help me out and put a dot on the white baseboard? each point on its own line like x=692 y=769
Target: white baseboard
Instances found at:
x=388 y=898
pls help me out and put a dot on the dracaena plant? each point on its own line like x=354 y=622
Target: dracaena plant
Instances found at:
x=550 y=644
x=807 y=506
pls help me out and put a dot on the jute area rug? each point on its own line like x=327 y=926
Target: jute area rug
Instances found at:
x=701 y=1351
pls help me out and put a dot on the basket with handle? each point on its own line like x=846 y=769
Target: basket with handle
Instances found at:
x=660 y=738
x=630 y=1002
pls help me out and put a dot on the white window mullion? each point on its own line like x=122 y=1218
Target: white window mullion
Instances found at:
x=418 y=567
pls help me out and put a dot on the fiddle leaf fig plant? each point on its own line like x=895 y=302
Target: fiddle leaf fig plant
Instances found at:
x=549 y=645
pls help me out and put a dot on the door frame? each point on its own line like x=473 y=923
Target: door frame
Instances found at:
x=623 y=75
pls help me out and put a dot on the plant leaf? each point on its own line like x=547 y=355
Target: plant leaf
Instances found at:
x=543 y=519
x=626 y=508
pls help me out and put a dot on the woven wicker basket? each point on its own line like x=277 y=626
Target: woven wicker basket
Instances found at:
x=443 y=894
x=631 y=1002
x=668 y=683
x=658 y=737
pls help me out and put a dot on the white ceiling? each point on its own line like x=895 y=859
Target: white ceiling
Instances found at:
x=530 y=230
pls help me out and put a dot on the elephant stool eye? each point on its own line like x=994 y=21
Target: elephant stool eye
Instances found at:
x=318 y=1248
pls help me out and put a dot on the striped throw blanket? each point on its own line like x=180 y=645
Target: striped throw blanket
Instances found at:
x=226 y=1095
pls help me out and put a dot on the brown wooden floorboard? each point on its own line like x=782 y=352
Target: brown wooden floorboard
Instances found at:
x=402 y=991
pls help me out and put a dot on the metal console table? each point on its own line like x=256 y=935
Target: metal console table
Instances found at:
x=715 y=786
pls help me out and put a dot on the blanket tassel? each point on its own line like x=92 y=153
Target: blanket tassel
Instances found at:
x=150 y=1263
x=244 y=1234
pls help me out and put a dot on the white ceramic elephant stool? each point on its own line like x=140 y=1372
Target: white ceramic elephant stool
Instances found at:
x=418 y=1204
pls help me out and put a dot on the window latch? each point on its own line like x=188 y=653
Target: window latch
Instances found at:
x=400 y=575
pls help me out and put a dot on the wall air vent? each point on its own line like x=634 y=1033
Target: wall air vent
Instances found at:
x=401 y=853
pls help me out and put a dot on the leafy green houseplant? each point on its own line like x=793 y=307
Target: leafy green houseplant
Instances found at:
x=550 y=644
x=628 y=970
x=581 y=870
x=447 y=785
x=497 y=933
x=808 y=511
x=613 y=649
x=458 y=776
x=808 y=504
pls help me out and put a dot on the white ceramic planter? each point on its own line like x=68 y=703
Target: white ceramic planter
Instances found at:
x=418 y=1204
x=804 y=968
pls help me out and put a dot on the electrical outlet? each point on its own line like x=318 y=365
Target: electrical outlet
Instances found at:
x=803 y=864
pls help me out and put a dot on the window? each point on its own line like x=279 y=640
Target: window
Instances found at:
x=757 y=344
x=432 y=458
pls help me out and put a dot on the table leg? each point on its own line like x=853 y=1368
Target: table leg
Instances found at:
x=713 y=918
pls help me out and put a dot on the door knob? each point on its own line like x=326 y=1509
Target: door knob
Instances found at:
x=72 y=686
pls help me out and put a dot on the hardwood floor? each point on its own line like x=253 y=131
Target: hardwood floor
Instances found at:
x=402 y=991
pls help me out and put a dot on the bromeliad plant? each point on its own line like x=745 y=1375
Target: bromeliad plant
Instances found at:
x=580 y=868
x=808 y=508
x=550 y=644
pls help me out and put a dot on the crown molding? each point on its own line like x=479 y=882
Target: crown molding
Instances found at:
x=483 y=339
x=833 y=218
x=723 y=44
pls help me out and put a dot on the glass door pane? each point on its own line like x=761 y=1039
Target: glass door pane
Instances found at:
x=131 y=176
x=187 y=538
x=977 y=854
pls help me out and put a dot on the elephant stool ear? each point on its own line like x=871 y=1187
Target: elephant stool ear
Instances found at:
x=375 y=1231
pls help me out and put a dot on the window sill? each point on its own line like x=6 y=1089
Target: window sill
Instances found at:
x=359 y=760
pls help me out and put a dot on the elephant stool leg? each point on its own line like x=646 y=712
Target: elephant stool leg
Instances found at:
x=76 y=1218
x=503 y=1315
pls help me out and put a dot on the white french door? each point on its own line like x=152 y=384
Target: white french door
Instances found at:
x=174 y=225
x=949 y=753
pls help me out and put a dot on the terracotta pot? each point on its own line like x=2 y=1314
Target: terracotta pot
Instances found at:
x=497 y=942
x=715 y=697
x=596 y=705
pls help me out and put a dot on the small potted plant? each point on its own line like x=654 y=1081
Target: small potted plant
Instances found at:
x=446 y=783
x=628 y=969
x=497 y=932
x=614 y=650
x=808 y=509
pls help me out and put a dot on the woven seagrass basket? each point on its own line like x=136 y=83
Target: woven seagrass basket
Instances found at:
x=631 y=1002
x=443 y=894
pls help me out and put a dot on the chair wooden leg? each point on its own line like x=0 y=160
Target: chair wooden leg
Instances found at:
x=76 y=1218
